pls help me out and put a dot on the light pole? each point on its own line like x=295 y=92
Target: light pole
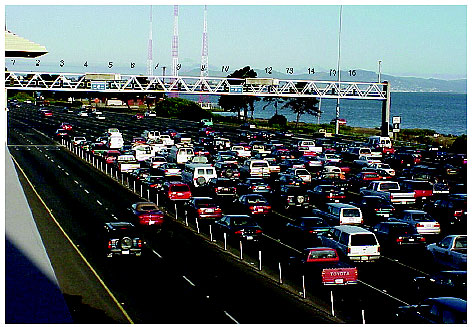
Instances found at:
x=380 y=61
x=339 y=72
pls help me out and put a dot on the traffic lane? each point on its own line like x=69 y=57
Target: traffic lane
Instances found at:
x=118 y=276
x=87 y=299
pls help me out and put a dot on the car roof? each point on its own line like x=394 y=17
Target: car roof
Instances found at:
x=454 y=303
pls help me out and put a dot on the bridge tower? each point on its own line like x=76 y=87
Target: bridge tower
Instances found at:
x=175 y=43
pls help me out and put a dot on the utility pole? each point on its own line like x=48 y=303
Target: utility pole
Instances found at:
x=149 y=60
x=339 y=71
x=175 y=43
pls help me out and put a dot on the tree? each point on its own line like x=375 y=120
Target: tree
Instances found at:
x=302 y=106
x=238 y=102
x=275 y=101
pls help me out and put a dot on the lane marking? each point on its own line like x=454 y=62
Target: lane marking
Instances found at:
x=188 y=280
x=73 y=245
x=405 y=265
x=226 y=313
x=86 y=191
x=99 y=202
x=76 y=182
x=154 y=251
x=381 y=291
x=66 y=173
x=278 y=241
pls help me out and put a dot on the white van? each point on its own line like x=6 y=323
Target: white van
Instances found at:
x=341 y=214
x=256 y=168
x=379 y=142
x=152 y=135
x=180 y=155
x=198 y=174
x=115 y=141
x=142 y=152
x=353 y=242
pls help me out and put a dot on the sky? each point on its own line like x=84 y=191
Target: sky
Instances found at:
x=421 y=41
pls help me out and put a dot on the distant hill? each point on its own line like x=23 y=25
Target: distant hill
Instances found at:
x=399 y=84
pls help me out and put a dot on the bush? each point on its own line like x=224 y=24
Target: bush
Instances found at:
x=181 y=109
x=279 y=120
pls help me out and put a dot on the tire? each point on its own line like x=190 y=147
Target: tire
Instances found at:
x=126 y=243
x=228 y=173
x=201 y=181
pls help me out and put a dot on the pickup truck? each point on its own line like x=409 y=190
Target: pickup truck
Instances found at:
x=450 y=252
x=241 y=151
x=126 y=163
x=323 y=264
x=390 y=191
x=308 y=147
x=366 y=160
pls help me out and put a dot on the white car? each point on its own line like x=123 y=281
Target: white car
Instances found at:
x=302 y=173
x=382 y=166
x=149 y=114
x=78 y=140
x=100 y=117
x=83 y=114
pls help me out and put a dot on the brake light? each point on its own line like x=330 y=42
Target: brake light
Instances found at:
x=216 y=189
x=436 y=225
x=399 y=239
x=252 y=208
x=458 y=213
x=348 y=250
x=419 y=225
x=200 y=211
x=110 y=244
x=422 y=239
x=239 y=232
x=376 y=209
x=258 y=231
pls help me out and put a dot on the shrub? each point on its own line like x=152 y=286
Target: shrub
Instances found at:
x=279 y=120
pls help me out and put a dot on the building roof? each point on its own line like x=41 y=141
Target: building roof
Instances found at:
x=16 y=46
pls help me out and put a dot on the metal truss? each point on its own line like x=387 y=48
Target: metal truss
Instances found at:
x=41 y=81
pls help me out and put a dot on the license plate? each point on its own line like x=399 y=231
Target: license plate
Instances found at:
x=210 y=210
x=152 y=222
x=339 y=281
x=125 y=252
x=249 y=238
x=336 y=201
x=364 y=258
x=411 y=239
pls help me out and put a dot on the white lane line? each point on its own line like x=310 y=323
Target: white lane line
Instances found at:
x=67 y=173
x=226 y=313
x=99 y=203
x=52 y=160
x=86 y=191
x=59 y=167
x=154 y=251
x=383 y=292
x=278 y=241
x=188 y=280
x=76 y=182
x=404 y=265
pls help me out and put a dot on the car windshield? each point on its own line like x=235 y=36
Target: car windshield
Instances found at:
x=148 y=207
x=461 y=243
x=402 y=229
x=314 y=223
x=363 y=239
x=180 y=188
x=225 y=183
x=205 y=203
x=421 y=217
x=259 y=164
x=241 y=221
x=253 y=200
x=351 y=213
x=324 y=254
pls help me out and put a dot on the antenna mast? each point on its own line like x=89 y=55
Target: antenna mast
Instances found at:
x=204 y=66
x=149 y=60
x=175 y=42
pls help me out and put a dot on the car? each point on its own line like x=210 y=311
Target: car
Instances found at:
x=149 y=113
x=252 y=204
x=78 y=140
x=155 y=182
x=420 y=220
x=169 y=169
x=46 y=113
x=61 y=133
x=443 y=283
x=393 y=236
x=82 y=114
x=155 y=162
x=140 y=173
x=438 y=310
x=450 y=252
x=121 y=239
x=375 y=209
x=254 y=185
x=322 y=265
x=139 y=115
x=304 y=230
x=221 y=188
x=66 y=126
x=363 y=179
x=176 y=191
x=203 y=208
x=300 y=172
x=450 y=212
x=147 y=214
x=111 y=156
x=227 y=169
x=322 y=194
x=239 y=228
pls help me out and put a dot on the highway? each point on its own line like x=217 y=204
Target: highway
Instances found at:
x=184 y=277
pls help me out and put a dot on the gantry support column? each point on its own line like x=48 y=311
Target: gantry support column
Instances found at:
x=385 y=128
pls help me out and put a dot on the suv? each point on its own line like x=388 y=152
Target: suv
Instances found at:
x=175 y=191
x=121 y=238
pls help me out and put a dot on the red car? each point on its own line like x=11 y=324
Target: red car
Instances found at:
x=46 y=113
x=111 y=155
x=203 y=208
x=177 y=191
x=254 y=205
x=148 y=214
x=66 y=126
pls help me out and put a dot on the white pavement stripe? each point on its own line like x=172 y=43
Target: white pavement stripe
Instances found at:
x=86 y=191
x=404 y=265
x=67 y=173
x=383 y=292
x=154 y=251
x=99 y=202
x=76 y=182
x=226 y=313
x=188 y=280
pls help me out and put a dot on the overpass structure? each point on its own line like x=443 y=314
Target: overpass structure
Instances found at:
x=203 y=85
